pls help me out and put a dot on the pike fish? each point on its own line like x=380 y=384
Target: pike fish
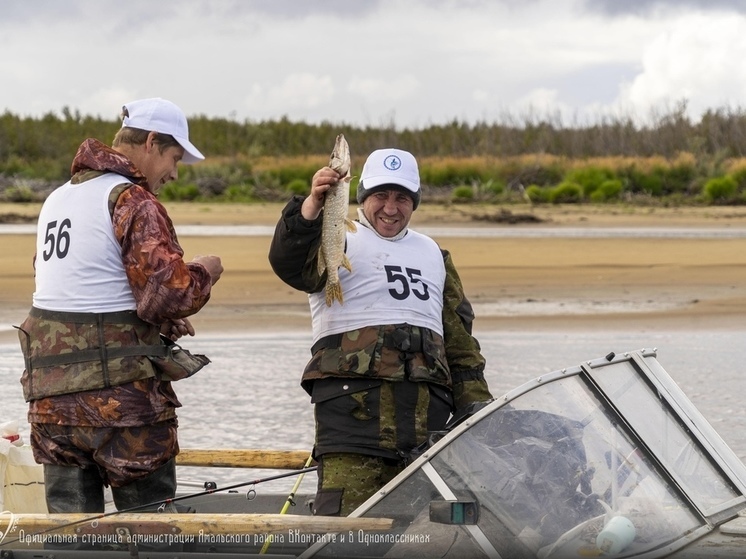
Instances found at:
x=336 y=223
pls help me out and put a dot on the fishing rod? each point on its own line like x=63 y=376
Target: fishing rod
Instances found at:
x=290 y=500
x=160 y=505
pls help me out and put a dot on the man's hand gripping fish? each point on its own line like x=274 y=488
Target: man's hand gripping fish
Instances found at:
x=336 y=223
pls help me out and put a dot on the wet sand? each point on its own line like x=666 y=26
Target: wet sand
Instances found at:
x=550 y=283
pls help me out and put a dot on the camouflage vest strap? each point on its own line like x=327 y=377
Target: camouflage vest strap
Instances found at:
x=67 y=352
x=391 y=352
x=103 y=353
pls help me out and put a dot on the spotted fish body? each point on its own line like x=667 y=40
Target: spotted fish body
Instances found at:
x=336 y=223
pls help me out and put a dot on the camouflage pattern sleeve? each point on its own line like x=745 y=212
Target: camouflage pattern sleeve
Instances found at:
x=165 y=287
x=294 y=251
x=463 y=352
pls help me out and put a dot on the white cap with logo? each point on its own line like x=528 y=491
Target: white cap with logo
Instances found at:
x=387 y=167
x=162 y=116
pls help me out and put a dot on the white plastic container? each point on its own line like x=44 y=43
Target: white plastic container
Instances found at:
x=617 y=534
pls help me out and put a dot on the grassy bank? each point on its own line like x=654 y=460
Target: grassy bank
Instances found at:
x=665 y=159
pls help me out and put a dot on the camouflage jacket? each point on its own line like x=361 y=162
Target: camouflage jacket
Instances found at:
x=164 y=286
x=293 y=256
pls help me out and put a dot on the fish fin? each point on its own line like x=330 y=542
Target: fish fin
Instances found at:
x=351 y=227
x=346 y=264
x=333 y=292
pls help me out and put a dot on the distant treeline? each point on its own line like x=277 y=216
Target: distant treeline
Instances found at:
x=542 y=160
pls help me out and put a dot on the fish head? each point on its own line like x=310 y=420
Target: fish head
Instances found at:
x=340 y=158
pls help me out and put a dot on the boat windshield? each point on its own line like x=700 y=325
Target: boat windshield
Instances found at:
x=551 y=473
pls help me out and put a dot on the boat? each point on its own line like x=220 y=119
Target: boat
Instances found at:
x=608 y=458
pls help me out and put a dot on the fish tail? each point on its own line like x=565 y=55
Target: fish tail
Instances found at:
x=333 y=292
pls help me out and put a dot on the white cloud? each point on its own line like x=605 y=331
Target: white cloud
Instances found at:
x=699 y=59
x=107 y=102
x=542 y=104
x=390 y=89
x=417 y=62
x=296 y=91
x=480 y=95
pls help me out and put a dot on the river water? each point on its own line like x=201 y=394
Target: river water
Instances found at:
x=250 y=397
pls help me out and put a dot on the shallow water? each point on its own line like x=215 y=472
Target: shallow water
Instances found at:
x=250 y=397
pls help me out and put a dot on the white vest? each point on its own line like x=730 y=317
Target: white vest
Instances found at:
x=78 y=260
x=392 y=282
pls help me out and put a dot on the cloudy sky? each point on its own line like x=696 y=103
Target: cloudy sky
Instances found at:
x=410 y=63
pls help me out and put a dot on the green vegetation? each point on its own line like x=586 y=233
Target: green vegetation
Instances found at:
x=462 y=194
x=720 y=189
x=670 y=161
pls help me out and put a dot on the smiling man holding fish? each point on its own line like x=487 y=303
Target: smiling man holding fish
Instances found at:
x=393 y=356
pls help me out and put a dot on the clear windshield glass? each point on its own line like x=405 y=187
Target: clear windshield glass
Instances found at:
x=553 y=469
x=673 y=444
x=553 y=476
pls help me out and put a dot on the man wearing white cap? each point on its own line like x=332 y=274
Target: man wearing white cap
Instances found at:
x=110 y=279
x=392 y=363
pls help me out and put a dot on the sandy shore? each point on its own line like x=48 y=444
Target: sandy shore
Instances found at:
x=551 y=283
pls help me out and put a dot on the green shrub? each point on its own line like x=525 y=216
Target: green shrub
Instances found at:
x=213 y=178
x=678 y=177
x=537 y=194
x=645 y=183
x=442 y=175
x=286 y=174
x=453 y=171
x=589 y=178
x=178 y=192
x=720 y=189
x=607 y=190
x=462 y=194
x=298 y=186
x=739 y=175
x=239 y=193
x=20 y=193
x=493 y=188
x=566 y=193
x=15 y=165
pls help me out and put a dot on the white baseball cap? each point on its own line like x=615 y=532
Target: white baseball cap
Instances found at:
x=162 y=116
x=390 y=166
